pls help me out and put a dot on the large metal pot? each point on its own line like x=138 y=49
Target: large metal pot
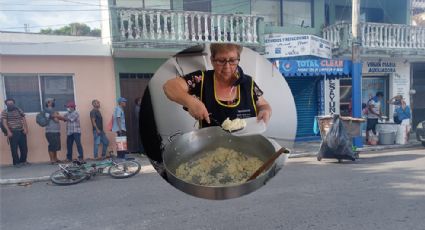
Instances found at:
x=189 y=145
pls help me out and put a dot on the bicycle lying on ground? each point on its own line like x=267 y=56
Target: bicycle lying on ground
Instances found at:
x=78 y=171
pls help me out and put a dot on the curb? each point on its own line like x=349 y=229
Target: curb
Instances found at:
x=389 y=147
x=362 y=150
x=24 y=180
x=144 y=170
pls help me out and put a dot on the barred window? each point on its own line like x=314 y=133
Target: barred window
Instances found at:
x=30 y=90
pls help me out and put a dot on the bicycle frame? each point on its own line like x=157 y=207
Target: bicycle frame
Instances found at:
x=89 y=169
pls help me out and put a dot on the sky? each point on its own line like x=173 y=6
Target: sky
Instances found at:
x=42 y=14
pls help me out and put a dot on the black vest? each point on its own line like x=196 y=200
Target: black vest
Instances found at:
x=244 y=107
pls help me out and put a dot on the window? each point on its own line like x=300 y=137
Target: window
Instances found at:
x=59 y=87
x=298 y=13
x=343 y=13
x=269 y=9
x=197 y=5
x=29 y=91
x=157 y=4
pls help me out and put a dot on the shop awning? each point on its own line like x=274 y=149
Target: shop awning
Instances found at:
x=314 y=67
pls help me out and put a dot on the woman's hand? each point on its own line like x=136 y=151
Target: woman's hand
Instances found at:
x=198 y=110
x=264 y=115
x=264 y=110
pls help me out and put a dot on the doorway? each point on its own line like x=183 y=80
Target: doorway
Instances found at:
x=370 y=86
x=418 y=102
x=305 y=92
x=132 y=86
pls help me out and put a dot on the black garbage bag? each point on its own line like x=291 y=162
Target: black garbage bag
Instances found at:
x=337 y=143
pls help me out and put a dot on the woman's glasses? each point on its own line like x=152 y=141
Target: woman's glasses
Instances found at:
x=224 y=61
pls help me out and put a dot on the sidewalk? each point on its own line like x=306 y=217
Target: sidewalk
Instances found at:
x=311 y=148
x=41 y=171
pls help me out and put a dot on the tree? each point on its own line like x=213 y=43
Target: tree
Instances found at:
x=74 y=29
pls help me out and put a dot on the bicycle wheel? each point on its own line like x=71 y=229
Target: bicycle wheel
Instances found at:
x=73 y=176
x=124 y=169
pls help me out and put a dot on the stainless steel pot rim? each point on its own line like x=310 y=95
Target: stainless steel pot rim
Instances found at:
x=220 y=132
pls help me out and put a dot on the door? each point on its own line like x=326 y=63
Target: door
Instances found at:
x=132 y=86
x=373 y=84
x=305 y=95
x=418 y=102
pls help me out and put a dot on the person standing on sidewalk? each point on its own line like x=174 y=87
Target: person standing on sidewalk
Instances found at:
x=404 y=115
x=15 y=123
x=98 y=132
x=73 y=131
x=374 y=113
x=52 y=130
x=118 y=124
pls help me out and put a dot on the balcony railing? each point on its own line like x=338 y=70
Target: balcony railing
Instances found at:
x=418 y=4
x=377 y=36
x=166 y=26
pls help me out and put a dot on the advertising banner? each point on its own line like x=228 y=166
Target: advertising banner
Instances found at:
x=313 y=67
x=289 y=45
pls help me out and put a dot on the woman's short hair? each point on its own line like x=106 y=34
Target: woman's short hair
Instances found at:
x=94 y=101
x=224 y=47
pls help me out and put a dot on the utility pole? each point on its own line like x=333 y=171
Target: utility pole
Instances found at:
x=356 y=76
x=26 y=28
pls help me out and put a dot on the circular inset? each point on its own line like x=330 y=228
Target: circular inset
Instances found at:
x=171 y=132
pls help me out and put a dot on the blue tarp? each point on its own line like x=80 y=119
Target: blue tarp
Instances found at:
x=314 y=67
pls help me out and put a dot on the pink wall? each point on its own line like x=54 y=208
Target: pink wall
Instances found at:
x=93 y=79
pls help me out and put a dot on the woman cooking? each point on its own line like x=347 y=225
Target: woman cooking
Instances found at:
x=225 y=92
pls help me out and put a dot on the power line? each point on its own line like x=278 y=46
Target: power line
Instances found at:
x=156 y=5
x=59 y=42
x=84 y=22
x=81 y=3
x=54 y=10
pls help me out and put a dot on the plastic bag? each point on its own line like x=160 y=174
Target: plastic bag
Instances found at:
x=337 y=143
x=373 y=139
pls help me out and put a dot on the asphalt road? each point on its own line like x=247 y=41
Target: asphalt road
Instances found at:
x=379 y=191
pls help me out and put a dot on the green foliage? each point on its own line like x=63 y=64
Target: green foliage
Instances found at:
x=73 y=29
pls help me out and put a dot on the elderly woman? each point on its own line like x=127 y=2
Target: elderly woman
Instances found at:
x=225 y=92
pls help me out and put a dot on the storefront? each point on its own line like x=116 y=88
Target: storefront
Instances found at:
x=391 y=77
x=315 y=86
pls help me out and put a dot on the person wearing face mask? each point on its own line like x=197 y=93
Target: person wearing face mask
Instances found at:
x=15 y=123
x=52 y=130
x=73 y=131
x=224 y=92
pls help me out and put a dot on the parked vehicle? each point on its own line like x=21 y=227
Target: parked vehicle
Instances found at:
x=77 y=171
x=420 y=132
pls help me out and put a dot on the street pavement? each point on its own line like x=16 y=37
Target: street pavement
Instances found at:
x=381 y=190
x=41 y=171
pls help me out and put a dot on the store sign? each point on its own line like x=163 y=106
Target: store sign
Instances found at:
x=332 y=96
x=280 y=46
x=381 y=67
x=313 y=67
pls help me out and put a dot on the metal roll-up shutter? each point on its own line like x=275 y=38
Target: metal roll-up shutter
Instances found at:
x=304 y=91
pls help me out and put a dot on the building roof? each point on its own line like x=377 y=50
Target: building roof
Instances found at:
x=16 y=43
